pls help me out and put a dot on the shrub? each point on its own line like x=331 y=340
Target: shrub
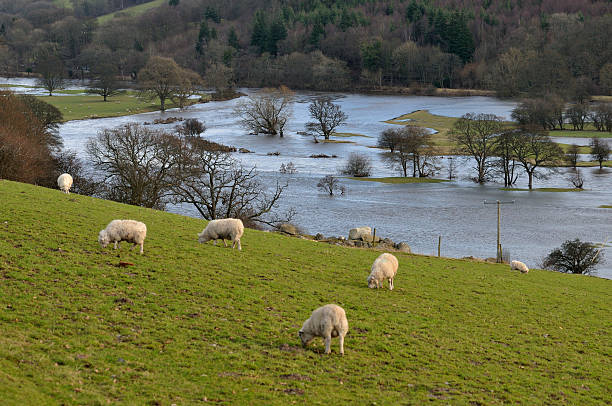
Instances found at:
x=574 y=257
x=358 y=165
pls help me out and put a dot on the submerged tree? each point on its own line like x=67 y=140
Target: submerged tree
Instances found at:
x=475 y=136
x=600 y=150
x=330 y=184
x=327 y=116
x=534 y=149
x=358 y=165
x=266 y=112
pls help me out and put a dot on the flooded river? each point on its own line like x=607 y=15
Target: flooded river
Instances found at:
x=536 y=223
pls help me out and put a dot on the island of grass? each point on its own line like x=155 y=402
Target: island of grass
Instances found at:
x=131 y=11
x=606 y=206
x=400 y=179
x=189 y=322
x=78 y=106
x=542 y=189
x=350 y=135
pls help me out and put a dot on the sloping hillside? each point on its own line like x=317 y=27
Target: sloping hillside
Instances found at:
x=132 y=11
x=190 y=323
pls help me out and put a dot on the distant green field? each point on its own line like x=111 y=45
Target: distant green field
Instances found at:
x=580 y=134
x=401 y=179
x=80 y=107
x=192 y=323
x=132 y=11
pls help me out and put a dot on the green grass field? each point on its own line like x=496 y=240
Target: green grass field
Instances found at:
x=191 y=323
x=401 y=179
x=132 y=11
x=78 y=107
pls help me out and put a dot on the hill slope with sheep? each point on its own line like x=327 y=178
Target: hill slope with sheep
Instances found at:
x=189 y=323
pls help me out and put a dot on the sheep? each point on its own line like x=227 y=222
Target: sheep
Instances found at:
x=519 y=266
x=384 y=267
x=327 y=321
x=223 y=229
x=64 y=182
x=123 y=230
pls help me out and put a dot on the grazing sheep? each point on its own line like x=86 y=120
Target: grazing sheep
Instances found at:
x=64 y=182
x=384 y=267
x=123 y=230
x=230 y=229
x=327 y=321
x=519 y=266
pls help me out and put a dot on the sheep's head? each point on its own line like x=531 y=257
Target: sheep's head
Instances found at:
x=372 y=282
x=203 y=237
x=305 y=337
x=103 y=238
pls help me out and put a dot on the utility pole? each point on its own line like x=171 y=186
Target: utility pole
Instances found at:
x=499 y=203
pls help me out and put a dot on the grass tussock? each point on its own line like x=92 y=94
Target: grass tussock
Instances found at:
x=190 y=323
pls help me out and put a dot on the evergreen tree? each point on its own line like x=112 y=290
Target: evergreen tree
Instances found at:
x=259 y=36
x=211 y=14
x=278 y=32
x=459 y=37
x=232 y=39
x=203 y=36
x=318 y=31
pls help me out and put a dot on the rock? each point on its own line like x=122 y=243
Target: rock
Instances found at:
x=244 y=151
x=403 y=247
x=356 y=233
x=366 y=238
x=288 y=229
x=491 y=259
x=319 y=237
x=273 y=153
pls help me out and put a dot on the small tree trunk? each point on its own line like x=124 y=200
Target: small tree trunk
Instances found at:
x=530 y=180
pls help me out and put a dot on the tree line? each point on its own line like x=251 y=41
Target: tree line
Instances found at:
x=530 y=47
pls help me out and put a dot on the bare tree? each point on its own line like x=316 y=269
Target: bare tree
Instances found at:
x=600 y=150
x=475 y=135
x=358 y=165
x=507 y=163
x=572 y=155
x=105 y=84
x=266 y=112
x=388 y=139
x=413 y=147
x=218 y=186
x=135 y=164
x=330 y=184
x=327 y=116
x=533 y=149
x=576 y=179
x=52 y=72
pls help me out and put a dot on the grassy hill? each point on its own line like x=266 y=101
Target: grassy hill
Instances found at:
x=190 y=323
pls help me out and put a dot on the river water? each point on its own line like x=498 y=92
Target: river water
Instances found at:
x=418 y=214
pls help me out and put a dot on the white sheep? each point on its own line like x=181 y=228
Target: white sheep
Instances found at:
x=116 y=231
x=64 y=182
x=230 y=229
x=519 y=266
x=384 y=267
x=327 y=321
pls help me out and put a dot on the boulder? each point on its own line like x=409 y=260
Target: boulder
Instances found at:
x=357 y=233
x=319 y=237
x=403 y=247
x=244 y=151
x=288 y=229
x=366 y=238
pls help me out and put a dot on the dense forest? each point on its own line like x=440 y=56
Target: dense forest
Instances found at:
x=515 y=47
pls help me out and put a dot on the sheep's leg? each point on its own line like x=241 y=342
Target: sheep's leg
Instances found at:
x=390 y=283
x=239 y=246
x=117 y=244
x=224 y=243
x=341 y=337
x=327 y=344
x=141 y=247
